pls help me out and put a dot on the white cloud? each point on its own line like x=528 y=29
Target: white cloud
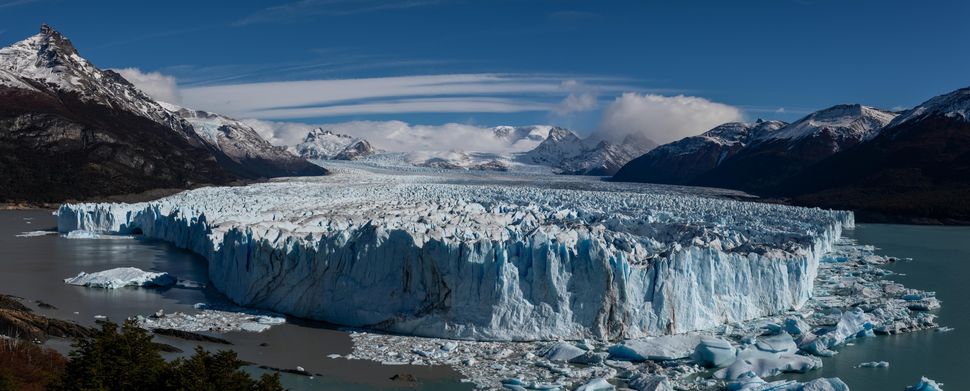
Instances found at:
x=664 y=118
x=581 y=98
x=156 y=85
x=398 y=136
x=482 y=93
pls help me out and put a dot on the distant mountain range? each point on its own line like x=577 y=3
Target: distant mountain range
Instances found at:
x=69 y=130
x=911 y=166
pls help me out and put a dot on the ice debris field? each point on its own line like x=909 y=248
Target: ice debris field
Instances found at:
x=498 y=259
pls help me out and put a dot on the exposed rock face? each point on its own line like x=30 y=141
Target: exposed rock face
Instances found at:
x=16 y=320
x=69 y=130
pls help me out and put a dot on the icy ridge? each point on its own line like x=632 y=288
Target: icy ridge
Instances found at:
x=488 y=262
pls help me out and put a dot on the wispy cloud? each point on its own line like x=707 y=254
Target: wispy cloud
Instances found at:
x=309 y=8
x=14 y=3
x=449 y=93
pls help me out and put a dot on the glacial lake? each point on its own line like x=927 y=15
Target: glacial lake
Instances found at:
x=34 y=268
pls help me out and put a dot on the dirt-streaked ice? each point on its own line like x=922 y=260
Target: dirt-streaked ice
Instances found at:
x=489 y=257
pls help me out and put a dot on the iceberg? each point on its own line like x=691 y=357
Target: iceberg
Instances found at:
x=121 y=277
x=926 y=384
x=489 y=257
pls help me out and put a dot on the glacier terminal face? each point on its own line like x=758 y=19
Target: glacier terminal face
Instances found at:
x=489 y=257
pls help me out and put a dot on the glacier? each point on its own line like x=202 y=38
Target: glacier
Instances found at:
x=489 y=257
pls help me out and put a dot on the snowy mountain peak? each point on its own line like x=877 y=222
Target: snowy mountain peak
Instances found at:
x=952 y=105
x=322 y=143
x=849 y=121
x=558 y=134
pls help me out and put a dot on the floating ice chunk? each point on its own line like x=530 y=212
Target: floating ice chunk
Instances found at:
x=645 y=382
x=875 y=364
x=80 y=234
x=944 y=329
x=597 y=384
x=562 y=351
x=750 y=382
x=769 y=366
x=926 y=385
x=121 y=277
x=714 y=352
x=669 y=347
x=796 y=326
x=852 y=324
x=825 y=384
x=217 y=319
x=780 y=343
x=32 y=234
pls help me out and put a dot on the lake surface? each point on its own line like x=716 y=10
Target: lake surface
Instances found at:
x=940 y=262
x=34 y=268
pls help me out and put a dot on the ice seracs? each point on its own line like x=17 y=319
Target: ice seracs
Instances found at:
x=121 y=277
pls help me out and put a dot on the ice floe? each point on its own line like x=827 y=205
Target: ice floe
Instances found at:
x=926 y=384
x=213 y=318
x=121 y=277
x=32 y=234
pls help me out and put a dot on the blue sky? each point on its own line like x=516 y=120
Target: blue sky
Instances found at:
x=521 y=62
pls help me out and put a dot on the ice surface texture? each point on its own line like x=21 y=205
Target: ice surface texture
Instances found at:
x=491 y=258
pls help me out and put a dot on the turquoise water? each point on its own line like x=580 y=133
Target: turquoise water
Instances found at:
x=940 y=262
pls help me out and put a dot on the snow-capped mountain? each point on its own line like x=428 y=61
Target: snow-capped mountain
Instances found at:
x=917 y=167
x=682 y=161
x=842 y=124
x=49 y=63
x=356 y=150
x=522 y=138
x=570 y=154
x=756 y=157
x=911 y=165
x=245 y=149
x=71 y=130
x=954 y=105
x=326 y=144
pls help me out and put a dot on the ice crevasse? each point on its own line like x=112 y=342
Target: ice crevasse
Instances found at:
x=488 y=261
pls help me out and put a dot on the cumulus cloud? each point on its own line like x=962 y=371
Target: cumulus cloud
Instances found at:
x=156 y=85
x=664 y=118
x=398 y=136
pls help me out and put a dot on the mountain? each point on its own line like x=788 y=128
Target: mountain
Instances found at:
x=69 y=130
x=917 y=167
x=327 y=144
x=771 y=158
x=681 y=162
x=570 y=154
x=356 y=150
x=241 y=149
x=757 y=157
x=522 y=138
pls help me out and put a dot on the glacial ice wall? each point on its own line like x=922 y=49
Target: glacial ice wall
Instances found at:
x=496 y=259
